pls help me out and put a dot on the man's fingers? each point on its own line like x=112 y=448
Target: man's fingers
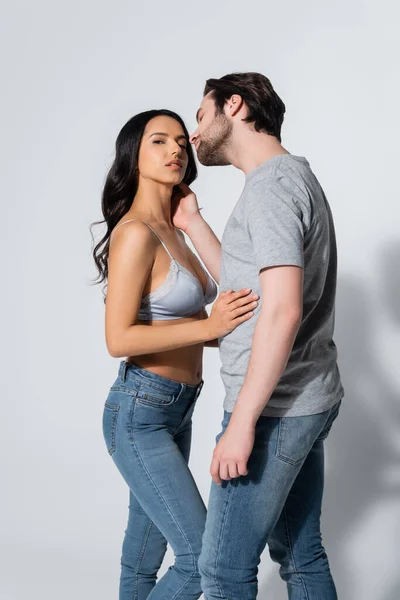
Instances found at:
x=224 y=471
x=229 y=470
x=233 y=469
x=242 y=468
x=214 y=470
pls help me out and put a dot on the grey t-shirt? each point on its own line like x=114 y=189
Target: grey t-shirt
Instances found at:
x=283 y=218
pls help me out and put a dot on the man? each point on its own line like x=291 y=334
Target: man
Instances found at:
x=282 y=383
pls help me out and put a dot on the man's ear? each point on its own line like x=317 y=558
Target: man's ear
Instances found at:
x=234 y=104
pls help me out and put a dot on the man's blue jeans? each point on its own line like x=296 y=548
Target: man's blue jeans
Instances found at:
x=147 y=429
x=278 y=503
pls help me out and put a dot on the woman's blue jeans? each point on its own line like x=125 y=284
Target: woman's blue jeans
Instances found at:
x=147 y=428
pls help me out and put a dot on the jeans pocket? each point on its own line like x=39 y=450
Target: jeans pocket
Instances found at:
x=154 y=396
x=296 y=437
x=110 y=417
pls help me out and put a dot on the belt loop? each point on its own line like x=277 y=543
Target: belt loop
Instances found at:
x=124 y=368
x=183 y=388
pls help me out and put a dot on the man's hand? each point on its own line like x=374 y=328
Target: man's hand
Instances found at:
x=232 y=452
x=184 y=207
x=185 y=214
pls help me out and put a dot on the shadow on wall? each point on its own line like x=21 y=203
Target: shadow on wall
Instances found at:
x=362 y=449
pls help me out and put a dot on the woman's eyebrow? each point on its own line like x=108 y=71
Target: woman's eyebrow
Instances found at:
x=179 y=137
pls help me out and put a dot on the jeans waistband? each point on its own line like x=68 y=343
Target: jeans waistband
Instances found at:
x=131 y=371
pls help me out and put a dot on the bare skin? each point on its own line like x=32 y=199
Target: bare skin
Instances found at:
x=138 y=264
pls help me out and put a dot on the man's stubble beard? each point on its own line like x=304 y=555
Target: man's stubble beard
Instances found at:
x=214 y=144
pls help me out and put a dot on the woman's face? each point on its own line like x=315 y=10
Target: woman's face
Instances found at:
x=162 y=154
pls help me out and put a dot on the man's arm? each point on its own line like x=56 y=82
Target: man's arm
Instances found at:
x=273 y=340
x=186 y=216
x=206 y=243
x=272 y=343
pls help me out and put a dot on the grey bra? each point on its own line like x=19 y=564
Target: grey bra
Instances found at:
x=181 y=295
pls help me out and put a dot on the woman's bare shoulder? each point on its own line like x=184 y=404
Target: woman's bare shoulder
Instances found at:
x=133 y=234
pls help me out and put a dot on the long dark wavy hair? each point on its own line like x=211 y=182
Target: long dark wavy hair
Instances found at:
x=121 y=183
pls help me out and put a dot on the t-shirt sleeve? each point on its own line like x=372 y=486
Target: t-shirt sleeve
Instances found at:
x=275 y=225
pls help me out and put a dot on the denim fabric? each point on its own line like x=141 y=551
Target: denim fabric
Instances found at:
x=147 y=430
x=279 y=503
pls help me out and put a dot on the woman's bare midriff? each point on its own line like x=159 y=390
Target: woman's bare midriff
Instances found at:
x=183 y=365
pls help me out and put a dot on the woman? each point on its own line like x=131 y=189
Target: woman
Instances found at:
x=155 y=316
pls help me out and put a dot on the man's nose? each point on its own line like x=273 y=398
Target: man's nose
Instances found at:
x=193 y=137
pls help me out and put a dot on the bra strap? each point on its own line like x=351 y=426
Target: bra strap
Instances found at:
x=155 y=233
x=162 y=243
x=120 y=225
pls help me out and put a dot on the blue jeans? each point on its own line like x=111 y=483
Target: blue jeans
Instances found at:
x=279 y=503
x=147 y=429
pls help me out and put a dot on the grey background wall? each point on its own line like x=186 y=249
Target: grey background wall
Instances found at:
x=73 y=73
